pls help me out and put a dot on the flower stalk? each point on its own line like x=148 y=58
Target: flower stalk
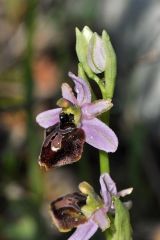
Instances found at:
x=96 y=55
x=104 y=162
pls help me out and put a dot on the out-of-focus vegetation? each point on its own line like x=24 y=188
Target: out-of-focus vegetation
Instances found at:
x=37 y=44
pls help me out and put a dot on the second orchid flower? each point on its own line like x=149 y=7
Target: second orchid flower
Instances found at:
x=85 y=210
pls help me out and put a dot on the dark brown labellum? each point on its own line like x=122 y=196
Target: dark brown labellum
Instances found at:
x=63 y=143
x=66 y=211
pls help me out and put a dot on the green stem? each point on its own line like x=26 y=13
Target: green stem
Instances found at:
x=101 y=86
x=103 y=156
x=107 y=93
x=97 y=80
x=104 y=162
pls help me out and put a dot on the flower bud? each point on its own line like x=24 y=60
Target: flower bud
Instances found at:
x=94 y=52
x=96 y=56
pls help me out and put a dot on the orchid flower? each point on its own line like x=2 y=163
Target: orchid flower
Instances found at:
x=97 y=134
x=86 y=214
x=99 y=218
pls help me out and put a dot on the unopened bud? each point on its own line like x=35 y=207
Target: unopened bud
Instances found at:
x=96 y=56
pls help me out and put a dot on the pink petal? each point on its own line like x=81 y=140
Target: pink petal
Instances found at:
x=82 y=89
x=84 y=231
x=108 y=188
x=68 y=94
x=48 y=118
x=101 y=219
x=99 y=135
x=91 y=110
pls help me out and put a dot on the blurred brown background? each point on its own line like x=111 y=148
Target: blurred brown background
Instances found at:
x=37 y=49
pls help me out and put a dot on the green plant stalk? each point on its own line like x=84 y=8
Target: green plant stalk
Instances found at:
x=103 y=156
x=109 y=76
x=107 y=93
x=104 y=162
x=106 y=85
x=97 y=80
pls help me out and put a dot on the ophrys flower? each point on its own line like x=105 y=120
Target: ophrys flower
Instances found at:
x=86 y=210
x=77 y=112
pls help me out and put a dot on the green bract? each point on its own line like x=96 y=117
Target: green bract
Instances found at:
x=121 y=228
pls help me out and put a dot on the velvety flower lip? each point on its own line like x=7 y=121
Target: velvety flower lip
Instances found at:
x=99 y=217
x=98 y=134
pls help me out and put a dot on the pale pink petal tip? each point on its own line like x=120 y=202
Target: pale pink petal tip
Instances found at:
x=68 y=94
x=82 y=89
x=91 y=110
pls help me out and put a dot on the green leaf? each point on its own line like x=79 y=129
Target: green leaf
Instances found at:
x=121 y=228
